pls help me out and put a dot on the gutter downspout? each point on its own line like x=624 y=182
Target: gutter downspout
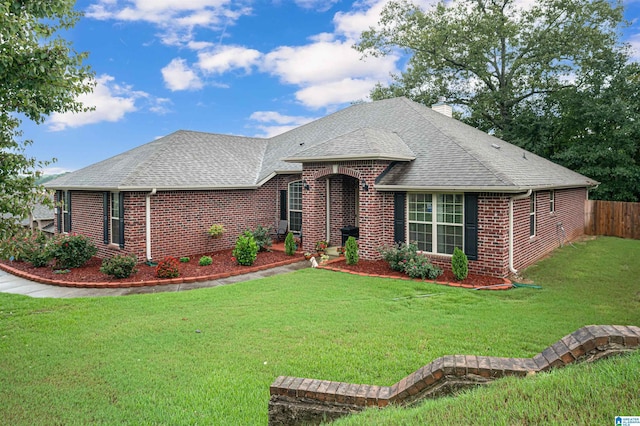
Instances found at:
x=511 y=200
x=148 y=222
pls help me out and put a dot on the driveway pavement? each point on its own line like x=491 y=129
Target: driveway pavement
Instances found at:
x=16 y=285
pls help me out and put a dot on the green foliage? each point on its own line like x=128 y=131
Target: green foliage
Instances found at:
x=398 y=254
x=40 y=74
x=184 y=259
x=351 y=251
x=71 y=250
x=119 y=266
x=246 y=250
x=216 y=230
x=459 y=264
x=290 y=246
x=420 y=266
x=262 y=235
x=168 y=268
x=205 y=261
x=26 y=246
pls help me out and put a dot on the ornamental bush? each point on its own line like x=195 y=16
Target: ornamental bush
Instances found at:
x=262 y=235
x=351 y=251
x=27 y=246
x=246 y=250
x=184 y=259
x=205 y=261
x=71 y=251
x=290 y=245
x=459 y=264
x=421 y=267
x=119 y=266
x=168 y=268
x=397 y=255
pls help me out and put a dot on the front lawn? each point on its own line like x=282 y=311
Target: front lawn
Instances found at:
x=208 y=356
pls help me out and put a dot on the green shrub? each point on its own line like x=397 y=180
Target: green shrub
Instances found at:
x=290 y=245
x=168 y=268
x=216 y=230
x=246 y=249
x=27 y=246
x=205 y=261
x=262 y=235
x=397 y=255
x=72 y=251
x=421 y=267
x=119 y=266
x=351 y=251
x=184 y=259
x=459 y=264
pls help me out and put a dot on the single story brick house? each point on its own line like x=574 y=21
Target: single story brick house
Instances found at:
x=386 y=171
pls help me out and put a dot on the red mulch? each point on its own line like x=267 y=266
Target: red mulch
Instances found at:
x=381 y=267
x=90 y=272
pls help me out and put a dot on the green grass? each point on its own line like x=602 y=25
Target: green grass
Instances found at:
x=139 y=360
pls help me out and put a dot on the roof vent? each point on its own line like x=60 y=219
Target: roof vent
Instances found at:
x=496 y=146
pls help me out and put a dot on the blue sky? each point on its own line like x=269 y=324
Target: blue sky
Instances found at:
x=249 y=67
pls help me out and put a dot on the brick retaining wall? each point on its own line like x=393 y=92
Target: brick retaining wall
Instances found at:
x=297 y=401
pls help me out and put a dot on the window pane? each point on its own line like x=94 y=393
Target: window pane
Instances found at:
x=295 y=221
x=420 y=233
x=295 y=195
x=450 y=208
x=115 y=231
x=449 y=237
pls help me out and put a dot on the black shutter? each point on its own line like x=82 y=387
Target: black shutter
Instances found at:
x=68 y=220
x=283 y=204
x=121 y=215
x=399 y=208
x=105 y=217
x=59 y=202
x=471 y=226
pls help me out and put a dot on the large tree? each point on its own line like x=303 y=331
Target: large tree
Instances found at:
x=40 y=73
x=490 y=56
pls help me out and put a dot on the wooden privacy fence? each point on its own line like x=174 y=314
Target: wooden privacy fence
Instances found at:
x=612 y=218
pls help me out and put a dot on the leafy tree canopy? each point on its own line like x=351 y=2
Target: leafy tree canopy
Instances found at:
x=40 y=73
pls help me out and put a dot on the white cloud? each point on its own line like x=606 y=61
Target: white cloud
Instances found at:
x=365 y=14
x=281 y=123
x=111 y=101
x=335 y=92
x=178 y=76
x=319 y=5
x=227 y=58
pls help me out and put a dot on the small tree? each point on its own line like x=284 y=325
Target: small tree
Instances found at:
x=290 y=245
x=351 y=251
x=459 y=264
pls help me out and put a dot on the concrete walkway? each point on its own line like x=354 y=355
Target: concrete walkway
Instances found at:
x=16 y=285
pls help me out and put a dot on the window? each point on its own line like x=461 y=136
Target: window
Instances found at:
x=115 y=218
x=532 y=215
x=66 y=211
x=295 y=206
x=440 y=212
x=552 y=201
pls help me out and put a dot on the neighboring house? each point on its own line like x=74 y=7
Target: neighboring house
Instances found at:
x=41 y=218
x=387 y=171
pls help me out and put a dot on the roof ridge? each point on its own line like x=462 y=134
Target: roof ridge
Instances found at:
x=413 y=105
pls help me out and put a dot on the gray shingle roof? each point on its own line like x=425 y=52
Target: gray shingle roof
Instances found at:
x=434 y=152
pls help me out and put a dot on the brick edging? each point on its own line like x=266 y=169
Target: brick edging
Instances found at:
x=149 y=283
x=296 y=401
x=505 y=285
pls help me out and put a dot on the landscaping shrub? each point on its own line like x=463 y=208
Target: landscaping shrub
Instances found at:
x=262 y=235
x=168 y=268
x=290 y=245
x=27 y=246
x=351 y=251
x=119 y=266
x=216 y=230
x=398 y=254
x=421 y=267
x=205 y=261
x=184 y=259
x=72 y=251
x=246 y=249
x=459 y=264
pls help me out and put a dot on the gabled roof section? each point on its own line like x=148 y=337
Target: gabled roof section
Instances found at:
x=180 y=161
x=360 y=144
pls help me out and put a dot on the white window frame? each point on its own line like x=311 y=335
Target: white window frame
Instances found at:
x=114 y=215
x=532 y=216
x=290 y=193
x=437 y=209
x=66 y=223
x=552 y=201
